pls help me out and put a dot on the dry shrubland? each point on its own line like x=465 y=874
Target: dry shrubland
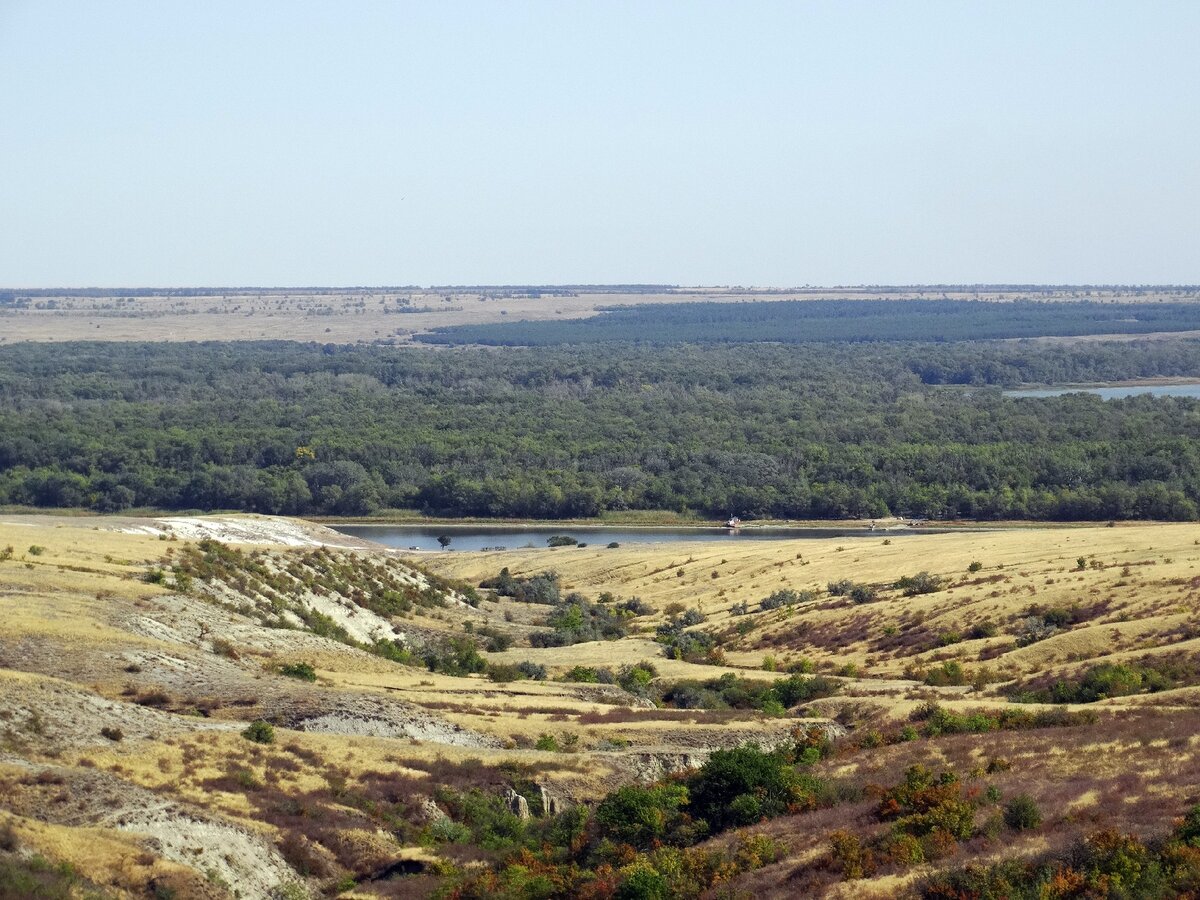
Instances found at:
x=200 y=717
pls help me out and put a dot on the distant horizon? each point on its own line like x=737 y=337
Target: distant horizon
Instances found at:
x=626 y=287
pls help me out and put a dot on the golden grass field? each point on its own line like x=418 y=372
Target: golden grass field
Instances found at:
x=86 y=644
x=1020 y=566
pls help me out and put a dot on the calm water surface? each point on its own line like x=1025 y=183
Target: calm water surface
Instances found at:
x=1115 y=393
x=515 y=537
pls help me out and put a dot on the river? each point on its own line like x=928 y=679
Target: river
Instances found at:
x=1112 y=392
x=514 y=537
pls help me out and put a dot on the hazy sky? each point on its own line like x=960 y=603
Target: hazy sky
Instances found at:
x=289 y=143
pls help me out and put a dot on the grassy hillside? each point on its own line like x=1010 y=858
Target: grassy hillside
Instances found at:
x=183 y=716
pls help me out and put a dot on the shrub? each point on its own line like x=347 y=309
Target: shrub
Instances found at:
x=975 y=566
x=636 y=678
x=543 y=588
x=302 y=670
x=455 y=656
x=921 y=583
x=36 y=550
x=641 y=816
x=848 y=854
x=863 y=593
x=613 y=545
x=502 y=672
x=1032 y=629
x=924 y=804
x=112 y=733
x=785 y=597
x=547 y=742
x=984 y=629
x=532 y=670
x=1189 y=829
x=259 y=732
x=949 y=673
x=1021 y=813
x=561 y=540
x=575 y=620
x=858 y=593
x=745 y=784
x=1099 y=682
x=636 y=606
x=642 y=882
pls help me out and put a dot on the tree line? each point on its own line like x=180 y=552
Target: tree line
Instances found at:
x=805 y=321
x=799 y=431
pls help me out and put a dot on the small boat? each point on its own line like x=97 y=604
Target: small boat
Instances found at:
x=734 y=522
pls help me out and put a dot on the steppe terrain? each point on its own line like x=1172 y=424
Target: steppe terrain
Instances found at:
x=393 y=315
x=134 y=653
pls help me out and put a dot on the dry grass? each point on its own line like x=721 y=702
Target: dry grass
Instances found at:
x=69 y=609
x=1022 y=568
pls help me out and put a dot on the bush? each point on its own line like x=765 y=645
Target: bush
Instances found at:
x=1099 y=682
x=561 y=540
x=636 y=678
x=302 y=670
x=636 y=606
x=949 y=673
x=155 y=576
x=858 y=593
x=259 y=732
x=975 y=566
x=925 y=805
x=640 y=816
x=532 y=670
x=112 y=733
x=984 y=629
x=502 y=672
x=863 y=593
x=455 y=656
x=543 y=588
x=921 y=583
x=1032 y=629
x=785 y=597
x=575 y=620
x=745 y=784
x=1189 y=830
x=848 y=854
x=1021 y=813
x=547 y=742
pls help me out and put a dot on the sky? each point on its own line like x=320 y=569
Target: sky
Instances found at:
x=172 y=143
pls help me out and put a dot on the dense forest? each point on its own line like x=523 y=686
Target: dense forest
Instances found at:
x=796 y=431
x=804 y=321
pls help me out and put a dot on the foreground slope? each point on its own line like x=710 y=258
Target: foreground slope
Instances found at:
x=423 y=732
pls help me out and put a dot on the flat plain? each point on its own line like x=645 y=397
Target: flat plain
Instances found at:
x=393 y=315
